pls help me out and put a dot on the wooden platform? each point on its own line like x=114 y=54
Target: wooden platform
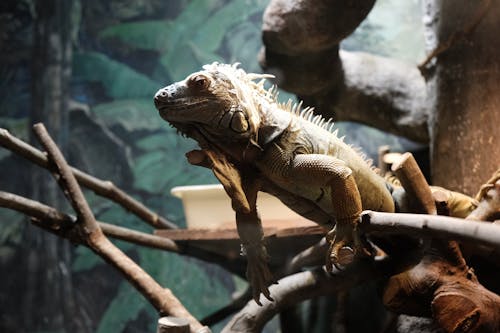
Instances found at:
x=283 y=238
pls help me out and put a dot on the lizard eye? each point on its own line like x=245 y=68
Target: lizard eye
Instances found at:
x=199 y=82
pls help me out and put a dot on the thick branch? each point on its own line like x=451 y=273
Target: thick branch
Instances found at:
x=442 y=283
x=301 y=47
x=298 y=27
x=422 y=225
x=237 y=304
x=414 y=183
x=310 y=257
x=297 y=288
x=462 y=92
x=392 y=98
x=104 y=188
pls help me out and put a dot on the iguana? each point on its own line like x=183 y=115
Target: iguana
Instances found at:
x=254 y=143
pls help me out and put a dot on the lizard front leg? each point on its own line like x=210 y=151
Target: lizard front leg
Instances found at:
x=252 y=237
x=242 y=187
x=250 y=230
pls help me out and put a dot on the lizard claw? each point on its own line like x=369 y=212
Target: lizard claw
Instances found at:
x=258 y=274
x=345 y=244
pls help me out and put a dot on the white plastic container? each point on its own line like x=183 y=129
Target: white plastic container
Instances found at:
x=209 y=207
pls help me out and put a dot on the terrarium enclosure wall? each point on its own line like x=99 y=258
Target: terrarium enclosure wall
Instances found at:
x=89 y=70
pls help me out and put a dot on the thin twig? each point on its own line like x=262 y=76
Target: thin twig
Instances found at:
x=61 y=224
x=139 y=238
x=161 y=298
x=103 y=188
x=35 y=209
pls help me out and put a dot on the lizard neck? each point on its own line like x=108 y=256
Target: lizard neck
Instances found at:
x=273 y=122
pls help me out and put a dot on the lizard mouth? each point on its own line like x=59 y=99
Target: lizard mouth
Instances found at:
x=180 y=109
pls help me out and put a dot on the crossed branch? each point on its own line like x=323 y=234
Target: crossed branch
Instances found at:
x=87 y=231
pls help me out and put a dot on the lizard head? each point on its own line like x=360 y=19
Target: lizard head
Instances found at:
x=217 y=102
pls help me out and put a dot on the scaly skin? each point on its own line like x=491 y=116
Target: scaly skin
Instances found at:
x=252 y=143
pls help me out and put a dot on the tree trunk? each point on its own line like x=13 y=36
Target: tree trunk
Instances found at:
x=465 y=112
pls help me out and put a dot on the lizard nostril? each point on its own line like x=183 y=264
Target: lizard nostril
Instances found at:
x=160 y=96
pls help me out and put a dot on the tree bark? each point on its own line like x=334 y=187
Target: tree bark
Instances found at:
x=465 y=111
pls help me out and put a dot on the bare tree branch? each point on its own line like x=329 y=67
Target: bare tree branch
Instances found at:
x=423 y=225
x=104 y=188
x=67 y=181
x=161 y=298
x=87 y=230
x=489 y=200
x=297 y=288
x=63 y=225
x=239 y=302
x=301 y=286
x=34 y=209
x=312 y=256
x=60 y=223
x=413 y=181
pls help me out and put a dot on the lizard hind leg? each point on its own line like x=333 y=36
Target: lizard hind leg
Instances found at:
x=322 y=170
x=345 y=241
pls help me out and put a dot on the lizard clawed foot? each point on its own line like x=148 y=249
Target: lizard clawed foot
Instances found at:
x=258 y=274
x=345 y=244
